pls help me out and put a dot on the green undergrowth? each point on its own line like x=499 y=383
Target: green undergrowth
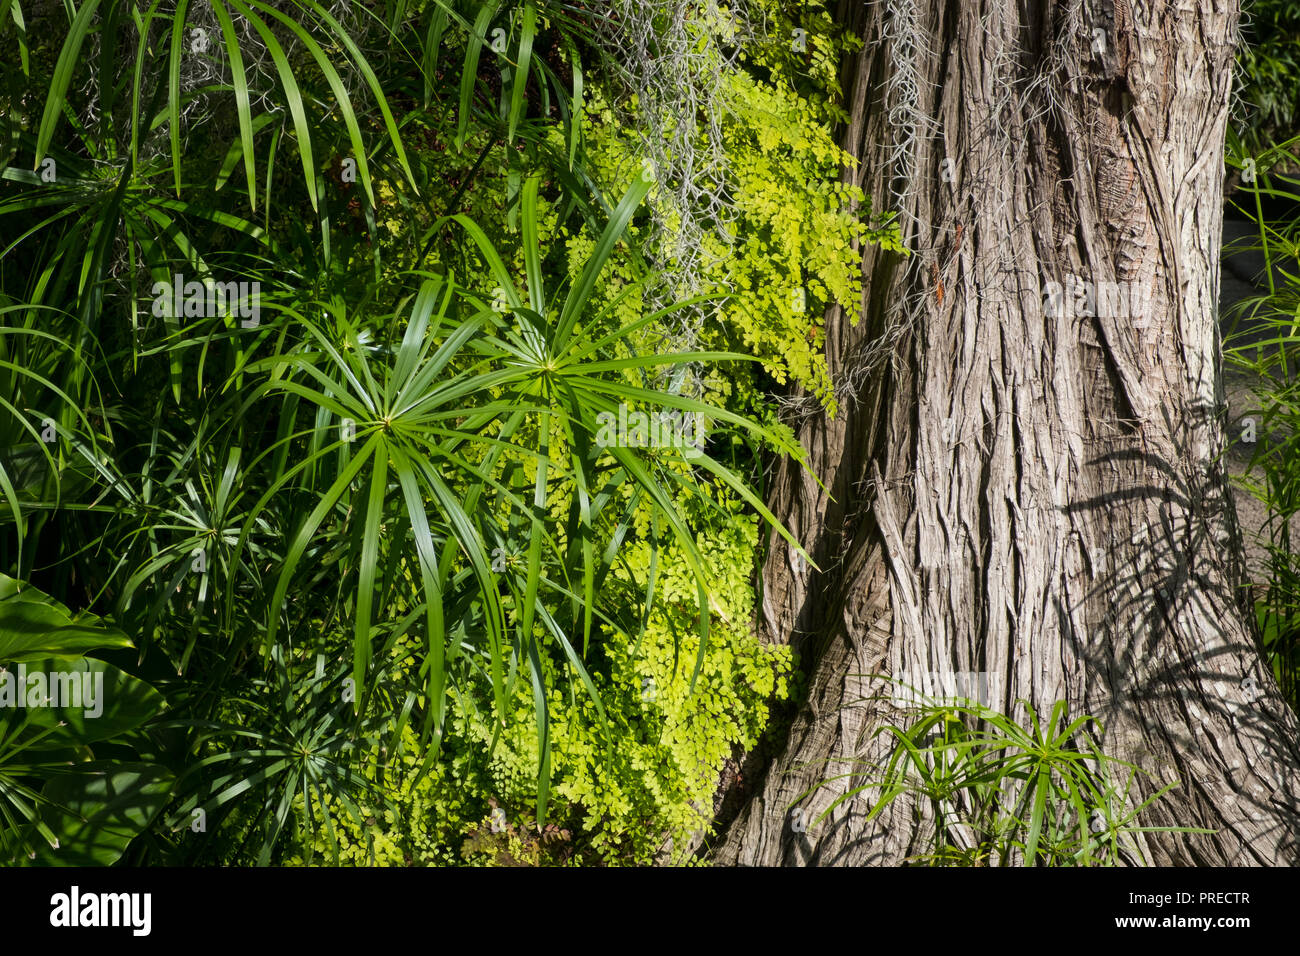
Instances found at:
x=639 y=795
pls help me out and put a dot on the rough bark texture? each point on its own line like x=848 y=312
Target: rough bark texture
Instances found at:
x=1010 y=488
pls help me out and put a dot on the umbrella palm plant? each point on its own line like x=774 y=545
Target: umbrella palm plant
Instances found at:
x=481 y=419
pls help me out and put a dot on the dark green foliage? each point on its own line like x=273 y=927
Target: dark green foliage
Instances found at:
x=1263 y=341
x=1269 y=66
x=74 y=790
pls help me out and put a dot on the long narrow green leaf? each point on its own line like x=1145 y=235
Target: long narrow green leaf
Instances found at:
x=341 y=97
x=308 y=529
x=532 y=247
x=292 y=93
x=580 y=292
x=174 y=89
x=469 y=77
x=528 y=30
x=432 y=46
x=243 y=107
x=340 y=34
x=369 y=557
x=69 y=58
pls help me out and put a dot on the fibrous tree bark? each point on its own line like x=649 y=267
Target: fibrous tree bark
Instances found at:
x=1022 y=481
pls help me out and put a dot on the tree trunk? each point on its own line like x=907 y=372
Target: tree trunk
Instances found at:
x=1015 y=487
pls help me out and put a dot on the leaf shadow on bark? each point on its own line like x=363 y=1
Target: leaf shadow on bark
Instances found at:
x=1176 y=671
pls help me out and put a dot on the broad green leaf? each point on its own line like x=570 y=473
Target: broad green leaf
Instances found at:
x=104 y=809
x=115 y=704
x=33 y=626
